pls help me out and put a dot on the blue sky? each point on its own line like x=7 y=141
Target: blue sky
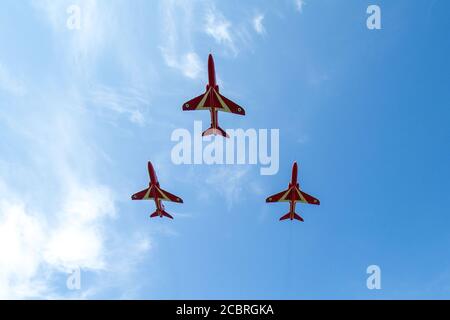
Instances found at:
x=364 y=113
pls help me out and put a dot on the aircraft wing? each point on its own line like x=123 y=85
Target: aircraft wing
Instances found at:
x=279 y=197
x=299 y=196
x=165 y=195
x=197 y=103
x=229 y=106
x=143 y=195
x=309 y=199
x=218 y=101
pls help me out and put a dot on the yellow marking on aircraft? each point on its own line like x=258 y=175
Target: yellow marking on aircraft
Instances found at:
x=222 y=103
x=201 y=105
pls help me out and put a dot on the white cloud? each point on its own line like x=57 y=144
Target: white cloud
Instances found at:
x=218 y=27
x=51 y=225
x=55 y=209
x=189 y=64
x=232 y=36
x=258 y=24
x=142 y=244
x=128 y=101
x=35 y=244
x=182 y=19
x=299 y=5
x=39 y=240
x=177 y=49
x=81 y=46
x=21 y=239
x=78 y=240
x=233 y=178
x=75 y=246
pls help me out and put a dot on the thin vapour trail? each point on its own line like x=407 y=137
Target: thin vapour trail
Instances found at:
x=289 y=268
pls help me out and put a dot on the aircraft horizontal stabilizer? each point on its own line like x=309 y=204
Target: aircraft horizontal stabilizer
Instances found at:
x=215 y=131
x=159 y=213
x=165 y=214
x=154 y=214
x=288 y=216
x=285 y=217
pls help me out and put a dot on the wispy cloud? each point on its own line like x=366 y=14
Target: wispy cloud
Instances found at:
x=35 y=244
x=177 y=49
x=233 y=178
x=54 y=206
x=232 y=35
x=129 y=101
x=189 y=64
x=258 y=24
x=218 y=27
x=77 y=240
x=82 y=45
x=83 y=48
x=21 y=239
x=51 y=237
x=299 y=4
x=183 y=19
x=42 y=240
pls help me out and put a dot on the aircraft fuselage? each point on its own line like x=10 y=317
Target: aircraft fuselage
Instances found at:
x=293 y=184
x=154 y=183
x=212 y=84
x=211 y=72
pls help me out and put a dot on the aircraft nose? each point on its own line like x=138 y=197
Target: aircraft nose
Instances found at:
x=210 y=60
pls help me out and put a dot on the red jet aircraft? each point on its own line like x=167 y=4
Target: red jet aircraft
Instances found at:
x=156 y=193
x=293 y=195
x=213 y=101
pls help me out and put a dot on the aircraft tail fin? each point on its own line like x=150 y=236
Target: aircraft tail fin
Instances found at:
x=160 y=214
x=215 y=131
x=288 y=216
